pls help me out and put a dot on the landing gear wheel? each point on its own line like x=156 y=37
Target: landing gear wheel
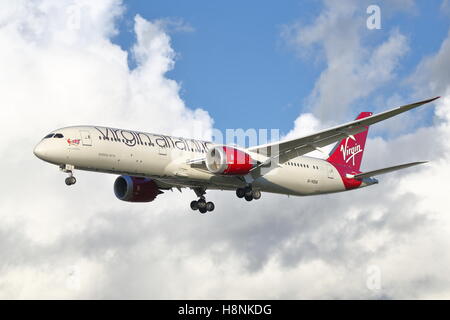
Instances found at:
x=248 y=192
x=210 y=206
x=248 y=197
x=70 y=181
x=256 y=194
x=201 y=204
x=194 y=205
x=240 y=192
x=202 y=210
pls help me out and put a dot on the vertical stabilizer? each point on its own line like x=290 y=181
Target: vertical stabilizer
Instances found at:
x=349 y=151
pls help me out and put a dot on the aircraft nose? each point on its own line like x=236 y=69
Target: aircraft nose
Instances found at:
x=39 y=151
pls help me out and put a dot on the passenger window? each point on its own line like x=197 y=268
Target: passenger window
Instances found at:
x=58 y=135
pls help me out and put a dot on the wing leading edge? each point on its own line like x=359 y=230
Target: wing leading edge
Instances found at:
x=289 y=149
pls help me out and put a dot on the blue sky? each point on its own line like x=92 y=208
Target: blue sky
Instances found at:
x=236 y=64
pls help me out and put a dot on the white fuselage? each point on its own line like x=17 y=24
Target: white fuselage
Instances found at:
x=164 y=158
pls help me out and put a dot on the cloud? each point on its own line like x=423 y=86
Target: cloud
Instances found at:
x=60 y=67
x=445 y=7
x=430 y=75
x=352 y=71
x=406 y=225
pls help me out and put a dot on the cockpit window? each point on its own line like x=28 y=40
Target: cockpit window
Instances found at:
x=49 y=136
x=58 y=135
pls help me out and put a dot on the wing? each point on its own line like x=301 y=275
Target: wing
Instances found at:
x=289 y=149
x=372 y=173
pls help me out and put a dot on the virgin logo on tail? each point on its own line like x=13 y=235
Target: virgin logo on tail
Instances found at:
x=349 y=153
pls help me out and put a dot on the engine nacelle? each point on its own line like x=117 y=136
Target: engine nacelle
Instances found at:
x=135 y=189
x=228 y=161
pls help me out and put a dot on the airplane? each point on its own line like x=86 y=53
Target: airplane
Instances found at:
x=149 y=164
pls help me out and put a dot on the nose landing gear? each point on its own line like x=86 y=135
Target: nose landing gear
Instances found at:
x=70 y=180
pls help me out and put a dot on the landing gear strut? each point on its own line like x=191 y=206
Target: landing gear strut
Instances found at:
x=70 y=180
x=201 y=204
x=248 y=193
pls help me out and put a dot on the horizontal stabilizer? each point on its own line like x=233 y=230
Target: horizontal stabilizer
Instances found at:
x=372 y=173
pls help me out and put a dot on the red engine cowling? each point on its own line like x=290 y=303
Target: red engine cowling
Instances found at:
x=229 y=161
x=135 y=189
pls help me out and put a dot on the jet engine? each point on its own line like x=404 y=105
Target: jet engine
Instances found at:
x=135 y=189
x=228 y=161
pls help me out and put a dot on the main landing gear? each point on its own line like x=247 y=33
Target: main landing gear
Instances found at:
x=201 y=204
x=248 y=193
x=70 y=180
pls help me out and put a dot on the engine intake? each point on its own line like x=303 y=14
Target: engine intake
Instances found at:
x=229 y=161
x=135 y=189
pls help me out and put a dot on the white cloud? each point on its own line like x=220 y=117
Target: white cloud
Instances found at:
x=431 y=74
x=59 y=67
x=400 y=224
x=353 y=71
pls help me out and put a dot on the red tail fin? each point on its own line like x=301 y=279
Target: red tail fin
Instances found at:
x=349 y=151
